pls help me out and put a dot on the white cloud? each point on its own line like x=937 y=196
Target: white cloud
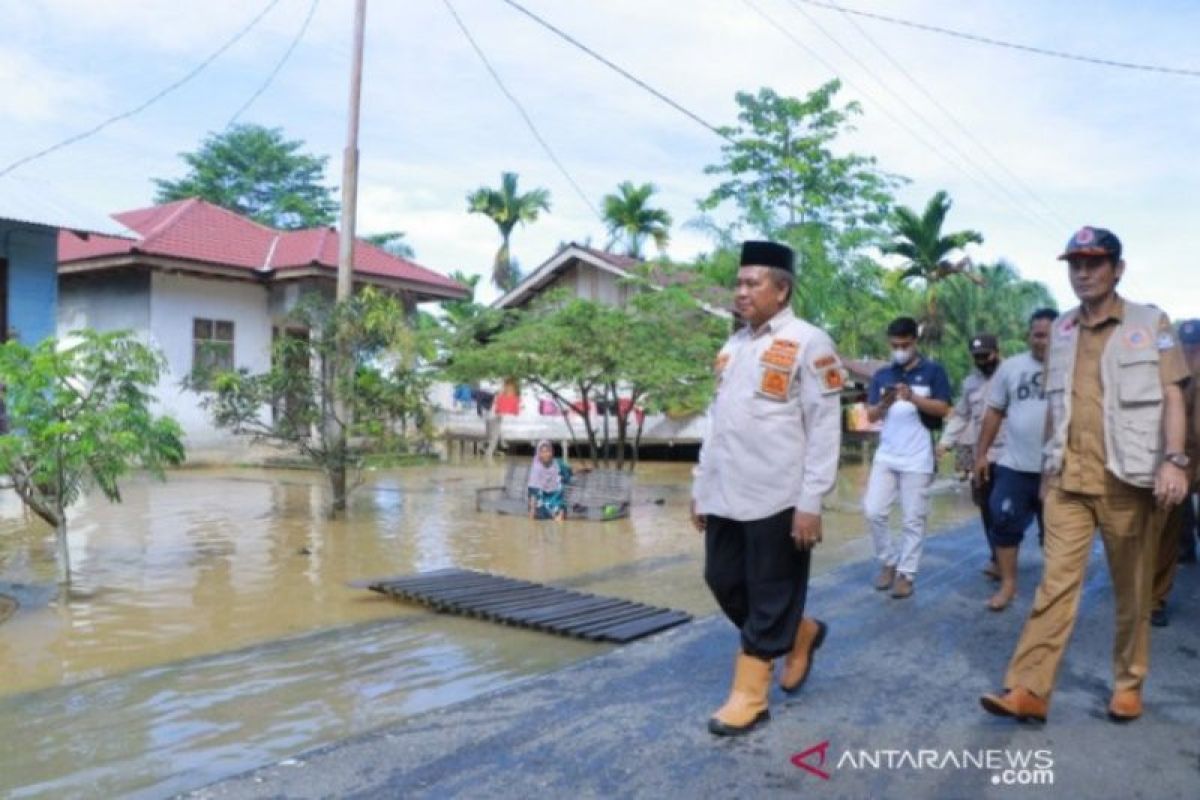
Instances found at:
x=1100 y=146
x=35 y=92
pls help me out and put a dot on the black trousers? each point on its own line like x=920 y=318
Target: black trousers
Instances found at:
x=759 y=578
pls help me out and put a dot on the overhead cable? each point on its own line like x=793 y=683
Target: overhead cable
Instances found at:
x=312 y=9
x=622 y=72
x=988 y=40
x=521 y=110
x=245 y=29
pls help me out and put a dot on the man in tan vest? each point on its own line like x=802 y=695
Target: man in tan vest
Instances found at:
x=1113 y=460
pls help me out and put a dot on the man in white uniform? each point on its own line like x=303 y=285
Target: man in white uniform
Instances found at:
x=768 y=459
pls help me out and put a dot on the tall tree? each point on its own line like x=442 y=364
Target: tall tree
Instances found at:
x=255 y=171
x=79 y=415
x=780 y=171
x=631 y=220
x=507 y=208
x=927 y=250
x=393 y=242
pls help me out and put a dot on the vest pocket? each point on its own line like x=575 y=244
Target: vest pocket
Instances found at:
x=1138 y=380
x=1137 y=446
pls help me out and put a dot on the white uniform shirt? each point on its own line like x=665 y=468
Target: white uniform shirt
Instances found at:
x=775 y=429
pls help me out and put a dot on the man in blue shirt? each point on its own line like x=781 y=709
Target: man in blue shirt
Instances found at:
x=912 y=397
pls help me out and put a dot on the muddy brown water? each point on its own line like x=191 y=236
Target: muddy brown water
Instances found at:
x=210 y=627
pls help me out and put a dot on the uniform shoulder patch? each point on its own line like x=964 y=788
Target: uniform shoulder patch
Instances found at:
x=825 y=361
x=1166 y=340
x=832 y=380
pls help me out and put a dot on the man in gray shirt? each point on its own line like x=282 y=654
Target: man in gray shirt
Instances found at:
x=1016 y=398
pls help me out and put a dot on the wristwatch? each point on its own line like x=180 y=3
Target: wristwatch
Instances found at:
x=1180 y=460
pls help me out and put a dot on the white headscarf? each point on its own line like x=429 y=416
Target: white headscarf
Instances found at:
x=542 y=476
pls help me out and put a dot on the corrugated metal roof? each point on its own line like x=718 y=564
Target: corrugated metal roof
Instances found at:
x=32 y=201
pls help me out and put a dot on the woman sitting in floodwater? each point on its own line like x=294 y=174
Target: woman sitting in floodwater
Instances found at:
x=548 y=479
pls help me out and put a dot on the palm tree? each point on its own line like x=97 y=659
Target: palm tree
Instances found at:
x=506 y=207
x=629 y=218
x=920 y=240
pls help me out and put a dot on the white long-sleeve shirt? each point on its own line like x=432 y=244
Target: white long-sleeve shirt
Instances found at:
x=774 y=426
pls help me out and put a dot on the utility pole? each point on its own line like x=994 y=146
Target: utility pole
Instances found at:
x=343 y=372
x=350 y=161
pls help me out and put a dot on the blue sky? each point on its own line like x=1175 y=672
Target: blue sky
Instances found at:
x=1096 y=145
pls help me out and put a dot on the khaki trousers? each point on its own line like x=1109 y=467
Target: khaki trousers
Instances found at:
x=1130 y=524
x=1167 y=559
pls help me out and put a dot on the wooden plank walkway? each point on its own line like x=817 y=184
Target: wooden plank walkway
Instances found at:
x=525 y=604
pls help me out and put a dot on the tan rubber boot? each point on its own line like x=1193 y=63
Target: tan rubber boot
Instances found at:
x=796 y=666
x=746 y=707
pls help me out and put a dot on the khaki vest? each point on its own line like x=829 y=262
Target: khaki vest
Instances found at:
x=1133 y=394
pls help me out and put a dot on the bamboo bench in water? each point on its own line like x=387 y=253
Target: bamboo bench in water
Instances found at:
x=598 y=494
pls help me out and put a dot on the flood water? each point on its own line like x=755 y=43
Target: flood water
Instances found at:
x=211 y=627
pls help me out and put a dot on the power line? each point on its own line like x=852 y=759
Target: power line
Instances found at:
x=153 y=99
x=521 y=110
x=312 y=9
x=939 y=152
x=988 y=178
x=1042 y=51
x=622 y=72
x=951 y=116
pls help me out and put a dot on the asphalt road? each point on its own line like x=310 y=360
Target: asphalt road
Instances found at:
x=892 y=705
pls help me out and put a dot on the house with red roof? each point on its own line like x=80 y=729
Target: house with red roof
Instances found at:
x=589 y=274
x=202 y=283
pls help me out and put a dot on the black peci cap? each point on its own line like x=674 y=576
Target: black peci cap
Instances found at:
x=768 y=254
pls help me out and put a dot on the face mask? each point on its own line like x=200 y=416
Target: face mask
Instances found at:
x=988 y=368
x=902 y=357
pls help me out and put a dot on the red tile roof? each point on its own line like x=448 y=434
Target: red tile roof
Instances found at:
x=195 y=230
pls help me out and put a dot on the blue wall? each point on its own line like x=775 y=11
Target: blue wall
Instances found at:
x=32 y=255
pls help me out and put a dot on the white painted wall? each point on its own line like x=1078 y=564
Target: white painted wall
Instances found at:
x=175 y=301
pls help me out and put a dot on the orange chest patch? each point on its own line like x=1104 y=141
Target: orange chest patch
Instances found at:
x=782 y=353
x=774 y=383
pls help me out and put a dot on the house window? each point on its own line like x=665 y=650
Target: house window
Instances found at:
x=212 y=349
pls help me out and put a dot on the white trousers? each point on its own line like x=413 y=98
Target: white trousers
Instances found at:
x=883 y=486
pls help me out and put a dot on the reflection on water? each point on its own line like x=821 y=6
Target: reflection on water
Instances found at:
x=211 y=628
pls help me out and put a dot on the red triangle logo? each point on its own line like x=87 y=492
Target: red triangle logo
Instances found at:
x=819 y=751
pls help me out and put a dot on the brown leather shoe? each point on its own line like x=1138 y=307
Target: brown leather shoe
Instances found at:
x=1018 y=702
x=798 y=663
x=1126 y=705
x=903 y=587
x=886 y=576
x=746 y=707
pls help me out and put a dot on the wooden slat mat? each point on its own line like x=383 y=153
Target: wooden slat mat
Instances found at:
x=531 y=605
